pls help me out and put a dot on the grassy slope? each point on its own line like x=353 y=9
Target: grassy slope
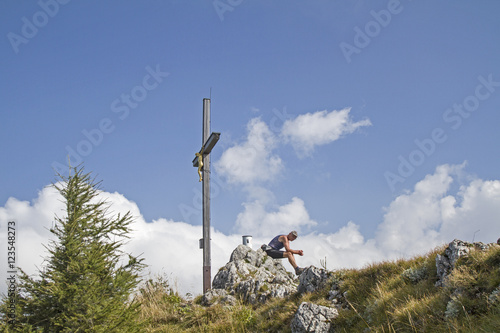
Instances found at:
x=397 y=296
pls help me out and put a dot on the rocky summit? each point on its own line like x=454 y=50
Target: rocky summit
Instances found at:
x=251 y=276
x=254 y=277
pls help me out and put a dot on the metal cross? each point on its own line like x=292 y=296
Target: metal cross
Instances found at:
x=202 y=162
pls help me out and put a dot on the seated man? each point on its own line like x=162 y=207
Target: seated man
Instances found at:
x=283 y=241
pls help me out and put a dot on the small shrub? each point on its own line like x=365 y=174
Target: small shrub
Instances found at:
x=415 y=274
x=494 y=297
x=453 y=309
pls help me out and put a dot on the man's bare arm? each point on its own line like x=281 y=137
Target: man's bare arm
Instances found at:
x=286 y=244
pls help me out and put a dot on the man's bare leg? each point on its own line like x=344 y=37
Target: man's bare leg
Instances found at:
x=291 y=259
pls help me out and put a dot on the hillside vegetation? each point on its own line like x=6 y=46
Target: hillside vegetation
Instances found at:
x=392 y=296
x=89 y=284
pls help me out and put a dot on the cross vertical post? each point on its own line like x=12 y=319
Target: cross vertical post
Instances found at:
x=207 y=261
x=208 y=142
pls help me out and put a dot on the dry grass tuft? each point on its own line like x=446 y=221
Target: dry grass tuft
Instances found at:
x=392 y=296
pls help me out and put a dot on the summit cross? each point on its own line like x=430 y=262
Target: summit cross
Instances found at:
x=202 y=162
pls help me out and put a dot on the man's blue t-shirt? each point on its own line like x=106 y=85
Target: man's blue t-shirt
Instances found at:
x=276 y=244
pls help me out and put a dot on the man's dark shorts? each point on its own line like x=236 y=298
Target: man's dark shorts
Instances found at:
x=276 y=254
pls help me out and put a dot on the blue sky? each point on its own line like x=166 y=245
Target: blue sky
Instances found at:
x=334 y=116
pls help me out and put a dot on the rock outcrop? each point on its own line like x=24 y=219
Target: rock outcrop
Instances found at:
x=313 y=318
x=217 y=296
x=254 y=277
x=456 y=249
x=251 y=276
x=312 y=279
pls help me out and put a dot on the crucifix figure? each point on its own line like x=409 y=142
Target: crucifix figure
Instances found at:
x=202 y=162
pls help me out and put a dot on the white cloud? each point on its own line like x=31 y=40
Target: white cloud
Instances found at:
x=345 y=248
x=414 y=223
x=430 y=215
x=476 y=209
x=253 y=160
x=32 y=224
x=256 y=220
x=169 y=248
x=319 y=128
x=172 y=248
x=411 y=222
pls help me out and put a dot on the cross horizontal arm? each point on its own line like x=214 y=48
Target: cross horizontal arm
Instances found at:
x=212 y=140
x=207 y=146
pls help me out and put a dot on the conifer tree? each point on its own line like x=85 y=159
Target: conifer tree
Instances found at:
x=87 y=281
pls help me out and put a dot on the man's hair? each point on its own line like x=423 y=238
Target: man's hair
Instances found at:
x=294 y=233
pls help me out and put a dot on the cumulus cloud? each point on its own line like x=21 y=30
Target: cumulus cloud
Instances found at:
x=345 y=248
x=415 y=222
x=257 y=220
x=412 y=221
x=322 y=127
x=430 y=215
x=475 y=208
x=32 y=223
x=170 y=248
x=253 y=160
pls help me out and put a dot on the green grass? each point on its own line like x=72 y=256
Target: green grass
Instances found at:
x=391 y=296
x=384 y=297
